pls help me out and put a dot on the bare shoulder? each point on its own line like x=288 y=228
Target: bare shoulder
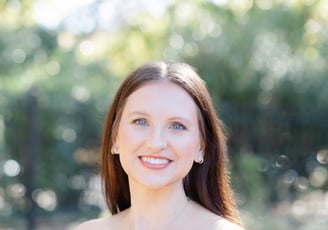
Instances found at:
x=223 y=224
x=105 y=223
x=209 y=220
x=101 y=223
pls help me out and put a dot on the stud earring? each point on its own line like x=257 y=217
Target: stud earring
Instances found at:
x=114 y=150
x=200 y=159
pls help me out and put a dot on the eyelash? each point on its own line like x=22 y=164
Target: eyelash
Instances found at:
x=140 y=122
x=144 y=122
x=178 y=126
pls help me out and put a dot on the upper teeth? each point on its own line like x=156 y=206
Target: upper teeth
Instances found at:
x=155 y=161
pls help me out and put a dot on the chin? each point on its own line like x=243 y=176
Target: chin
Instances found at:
x=158 y=183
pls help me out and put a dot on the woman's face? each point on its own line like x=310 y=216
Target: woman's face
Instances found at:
x=158 y=135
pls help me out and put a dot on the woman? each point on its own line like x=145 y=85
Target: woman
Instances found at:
x=164 y=155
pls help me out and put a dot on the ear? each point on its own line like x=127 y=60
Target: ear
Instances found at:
x=115 y=148
x=199 y=158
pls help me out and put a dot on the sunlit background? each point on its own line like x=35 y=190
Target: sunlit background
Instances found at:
x=265 y=62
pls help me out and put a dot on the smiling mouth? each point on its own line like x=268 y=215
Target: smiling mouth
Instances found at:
x=155 y=161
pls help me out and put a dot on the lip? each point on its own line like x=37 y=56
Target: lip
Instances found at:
x=154 y=162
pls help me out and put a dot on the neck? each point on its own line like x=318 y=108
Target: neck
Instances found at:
x=156 y=209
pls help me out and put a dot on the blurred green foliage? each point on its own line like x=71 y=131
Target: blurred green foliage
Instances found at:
x=265 y=65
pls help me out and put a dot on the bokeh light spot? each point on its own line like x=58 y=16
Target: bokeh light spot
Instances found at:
x=53 y=68
x=176 y=41
x=80 y=93
x=66 y=41
x=46 y=199
x=65 y=133
x=318 y=177
x=290 y=176
x=87 y=48
x=69 y=135
x=313 y=26
x=322 y=156
x=16 y=190
x=299 y=209
x=86 y=156
x=11 y=168
x=301 y=183
x=18 y=56
x=282 y=162
x=191 y=49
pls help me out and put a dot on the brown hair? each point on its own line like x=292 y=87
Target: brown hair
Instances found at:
x=207 y=184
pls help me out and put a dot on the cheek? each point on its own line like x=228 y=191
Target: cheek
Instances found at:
x=188 y=147
x=128 y=138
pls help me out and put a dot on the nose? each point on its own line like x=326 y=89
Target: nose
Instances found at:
x=156 y=141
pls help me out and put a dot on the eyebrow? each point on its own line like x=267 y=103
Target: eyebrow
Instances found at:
x=133 y=113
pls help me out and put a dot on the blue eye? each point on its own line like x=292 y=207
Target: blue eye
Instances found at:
x=178 y=126
x=141 y=122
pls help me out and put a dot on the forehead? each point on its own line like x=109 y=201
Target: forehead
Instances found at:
x=161 y=96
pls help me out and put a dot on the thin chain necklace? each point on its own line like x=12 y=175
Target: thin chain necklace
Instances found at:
x=174 y=218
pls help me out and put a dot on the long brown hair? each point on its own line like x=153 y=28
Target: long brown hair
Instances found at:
x=207 y=184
